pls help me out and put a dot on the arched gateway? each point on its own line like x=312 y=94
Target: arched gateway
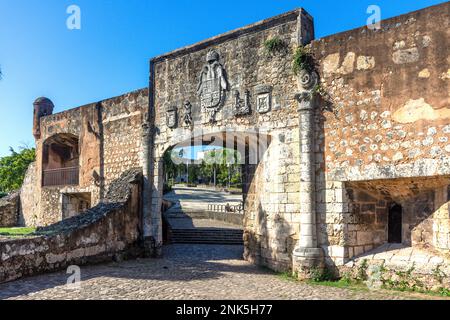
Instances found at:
x=218 y=88
x=334 y=144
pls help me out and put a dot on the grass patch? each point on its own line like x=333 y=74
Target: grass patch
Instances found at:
x=342 y=284
x=287 y=276
x=16 y=232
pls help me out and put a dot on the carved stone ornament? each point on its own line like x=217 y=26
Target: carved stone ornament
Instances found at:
x=263 y=98
x=187 y=114
x=172 y=117
x=308 y=81
x=212 y=85
x=241 y=106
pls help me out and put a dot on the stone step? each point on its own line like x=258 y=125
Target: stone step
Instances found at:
x=213 y=238
x=240 y=243
x=207 y=236
x=205 y=230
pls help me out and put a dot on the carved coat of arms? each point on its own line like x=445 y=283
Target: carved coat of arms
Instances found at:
x=212 y=85
x=172 y=117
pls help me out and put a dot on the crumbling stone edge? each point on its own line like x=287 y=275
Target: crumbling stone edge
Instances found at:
x=110 y=231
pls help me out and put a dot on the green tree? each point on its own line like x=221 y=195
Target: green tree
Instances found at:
x=14 y=167
x=226 y=165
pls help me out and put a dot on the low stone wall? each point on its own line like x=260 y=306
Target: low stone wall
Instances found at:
x=9 y=210
x=109 y=231
x=233 y=218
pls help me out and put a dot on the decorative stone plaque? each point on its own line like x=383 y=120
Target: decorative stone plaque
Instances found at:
x=263 y=98
x=241 y=107
x=172 y=117
x=187 y=114
x=212 y=85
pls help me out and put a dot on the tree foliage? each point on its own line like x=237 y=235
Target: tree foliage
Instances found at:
x=222 y=164
x=14 y=167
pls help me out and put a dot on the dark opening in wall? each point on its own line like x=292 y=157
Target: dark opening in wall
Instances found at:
x=395 y=224
x=75 y=203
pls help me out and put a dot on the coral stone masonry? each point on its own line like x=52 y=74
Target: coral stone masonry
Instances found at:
x=343 y=157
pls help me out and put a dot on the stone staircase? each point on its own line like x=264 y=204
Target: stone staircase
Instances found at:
x=207 y=236
x=195 y=227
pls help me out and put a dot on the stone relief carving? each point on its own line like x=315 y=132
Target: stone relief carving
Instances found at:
x=187 y=114
x=172 y=117
x=241 y=106
x=307 y=81
x=264 y=98
x=212 y=85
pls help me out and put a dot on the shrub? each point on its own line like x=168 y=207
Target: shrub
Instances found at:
x=303 y=60
x=274 y=45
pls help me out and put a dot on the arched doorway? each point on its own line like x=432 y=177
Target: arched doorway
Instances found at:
x=211 y=186
x=395 y=223
x=61 y=161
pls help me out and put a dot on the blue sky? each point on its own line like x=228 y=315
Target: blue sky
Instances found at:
x=109 y=56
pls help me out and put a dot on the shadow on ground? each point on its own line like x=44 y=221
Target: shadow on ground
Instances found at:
x=179 y=263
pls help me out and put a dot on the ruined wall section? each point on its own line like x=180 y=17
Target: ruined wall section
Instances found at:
x=9 y=210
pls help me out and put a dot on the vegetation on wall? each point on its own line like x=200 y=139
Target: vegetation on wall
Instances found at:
x=303 y=60
x=14 y=167
x=274 y=45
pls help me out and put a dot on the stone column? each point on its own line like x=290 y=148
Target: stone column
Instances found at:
x=307 y=255
x=147 y=236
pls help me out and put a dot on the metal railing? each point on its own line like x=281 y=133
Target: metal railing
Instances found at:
x=60 y=177
x=226 y=208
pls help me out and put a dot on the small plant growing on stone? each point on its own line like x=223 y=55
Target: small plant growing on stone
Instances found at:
x=404 y=281
x=438 y=274
x=362 y=271
x=321 y=275
x=303 y=60
x=274 y=45
x=444 y=292
x=346 y=278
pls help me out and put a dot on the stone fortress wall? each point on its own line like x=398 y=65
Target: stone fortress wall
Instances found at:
x=109 y=137
x=386 y=138
x=375 y=136
x=251 y=73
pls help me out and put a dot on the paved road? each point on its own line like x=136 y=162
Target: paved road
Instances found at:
x=186 y=272
x=198 y=198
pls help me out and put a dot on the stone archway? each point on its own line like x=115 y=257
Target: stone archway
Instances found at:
x=259 y=159
x=60 y=160
x=214 y=88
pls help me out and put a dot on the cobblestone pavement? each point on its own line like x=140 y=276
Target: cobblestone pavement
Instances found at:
x=185 y=272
